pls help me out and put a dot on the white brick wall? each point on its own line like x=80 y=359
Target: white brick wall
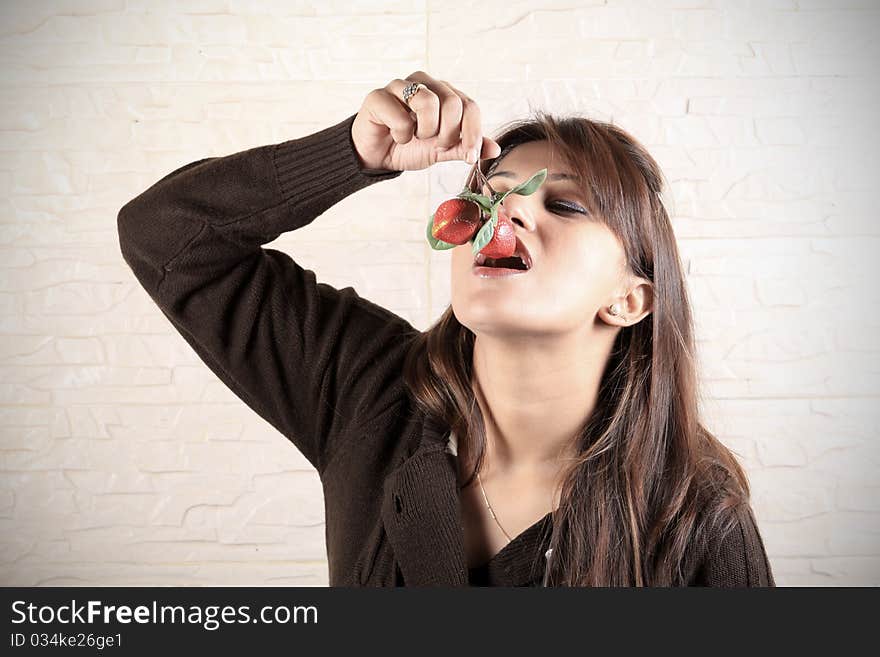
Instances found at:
x=125 y=461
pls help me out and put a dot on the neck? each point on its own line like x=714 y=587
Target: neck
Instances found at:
x=535 y=396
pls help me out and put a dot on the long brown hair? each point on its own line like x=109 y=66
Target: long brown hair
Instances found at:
x=650 y=481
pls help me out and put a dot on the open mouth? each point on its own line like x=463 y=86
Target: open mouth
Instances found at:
x=521 y=259
x=513 y=262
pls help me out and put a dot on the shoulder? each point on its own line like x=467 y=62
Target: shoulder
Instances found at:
x=734 y=554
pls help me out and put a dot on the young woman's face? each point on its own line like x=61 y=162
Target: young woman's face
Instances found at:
x=577 y=262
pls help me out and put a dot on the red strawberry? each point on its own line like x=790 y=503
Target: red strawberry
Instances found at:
x=456 y=221
x=503 y=242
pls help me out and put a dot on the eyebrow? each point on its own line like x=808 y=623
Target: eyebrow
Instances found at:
x=552 y=176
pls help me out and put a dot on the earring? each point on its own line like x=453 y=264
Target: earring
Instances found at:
x=614 y=309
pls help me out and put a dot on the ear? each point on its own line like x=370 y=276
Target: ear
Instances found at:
x=633 y=306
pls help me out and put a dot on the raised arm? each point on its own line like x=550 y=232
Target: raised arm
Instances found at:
x=315 y=362
x=312 y=360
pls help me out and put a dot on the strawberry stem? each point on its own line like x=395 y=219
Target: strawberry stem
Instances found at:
x=481 y=178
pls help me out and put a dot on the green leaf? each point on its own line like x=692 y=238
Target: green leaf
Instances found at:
x=483 y=201
x=530 y=185
x=484 y=235
x=437 y=245
x=526 y=188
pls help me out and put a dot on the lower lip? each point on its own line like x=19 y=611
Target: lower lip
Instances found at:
x=496 y=272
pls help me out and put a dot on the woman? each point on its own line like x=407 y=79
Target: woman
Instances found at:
x=567 y=391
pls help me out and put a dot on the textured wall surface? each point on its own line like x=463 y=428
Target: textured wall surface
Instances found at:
x=125 y=461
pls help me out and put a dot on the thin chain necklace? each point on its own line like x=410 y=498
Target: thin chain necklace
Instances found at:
x=489 y=506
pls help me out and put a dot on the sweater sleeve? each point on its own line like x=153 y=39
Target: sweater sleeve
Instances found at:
x=737 y=558
x=312 y=360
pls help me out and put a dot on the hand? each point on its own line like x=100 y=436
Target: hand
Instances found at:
x=440 y=124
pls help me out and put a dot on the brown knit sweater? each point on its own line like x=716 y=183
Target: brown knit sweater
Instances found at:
x=323 y=366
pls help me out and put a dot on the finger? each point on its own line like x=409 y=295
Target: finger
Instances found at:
x=385 y=110
x=450 y=109
x=471 y=127
x=424 y=103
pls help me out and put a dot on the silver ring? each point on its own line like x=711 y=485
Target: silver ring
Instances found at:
x=411 y=90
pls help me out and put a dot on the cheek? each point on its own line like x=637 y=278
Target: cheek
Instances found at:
x=584 y=268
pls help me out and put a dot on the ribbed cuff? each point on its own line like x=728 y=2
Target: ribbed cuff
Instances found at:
x=320 y=169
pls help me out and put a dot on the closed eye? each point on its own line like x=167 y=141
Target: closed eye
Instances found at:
x=569 y=208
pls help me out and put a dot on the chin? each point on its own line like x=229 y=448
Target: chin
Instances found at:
x=491 y=317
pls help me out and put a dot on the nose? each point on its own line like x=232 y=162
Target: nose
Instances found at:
x=518 y=211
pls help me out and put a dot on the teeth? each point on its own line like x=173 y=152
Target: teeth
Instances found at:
x=480 y=259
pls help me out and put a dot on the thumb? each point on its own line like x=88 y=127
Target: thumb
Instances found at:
x=491 y=149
